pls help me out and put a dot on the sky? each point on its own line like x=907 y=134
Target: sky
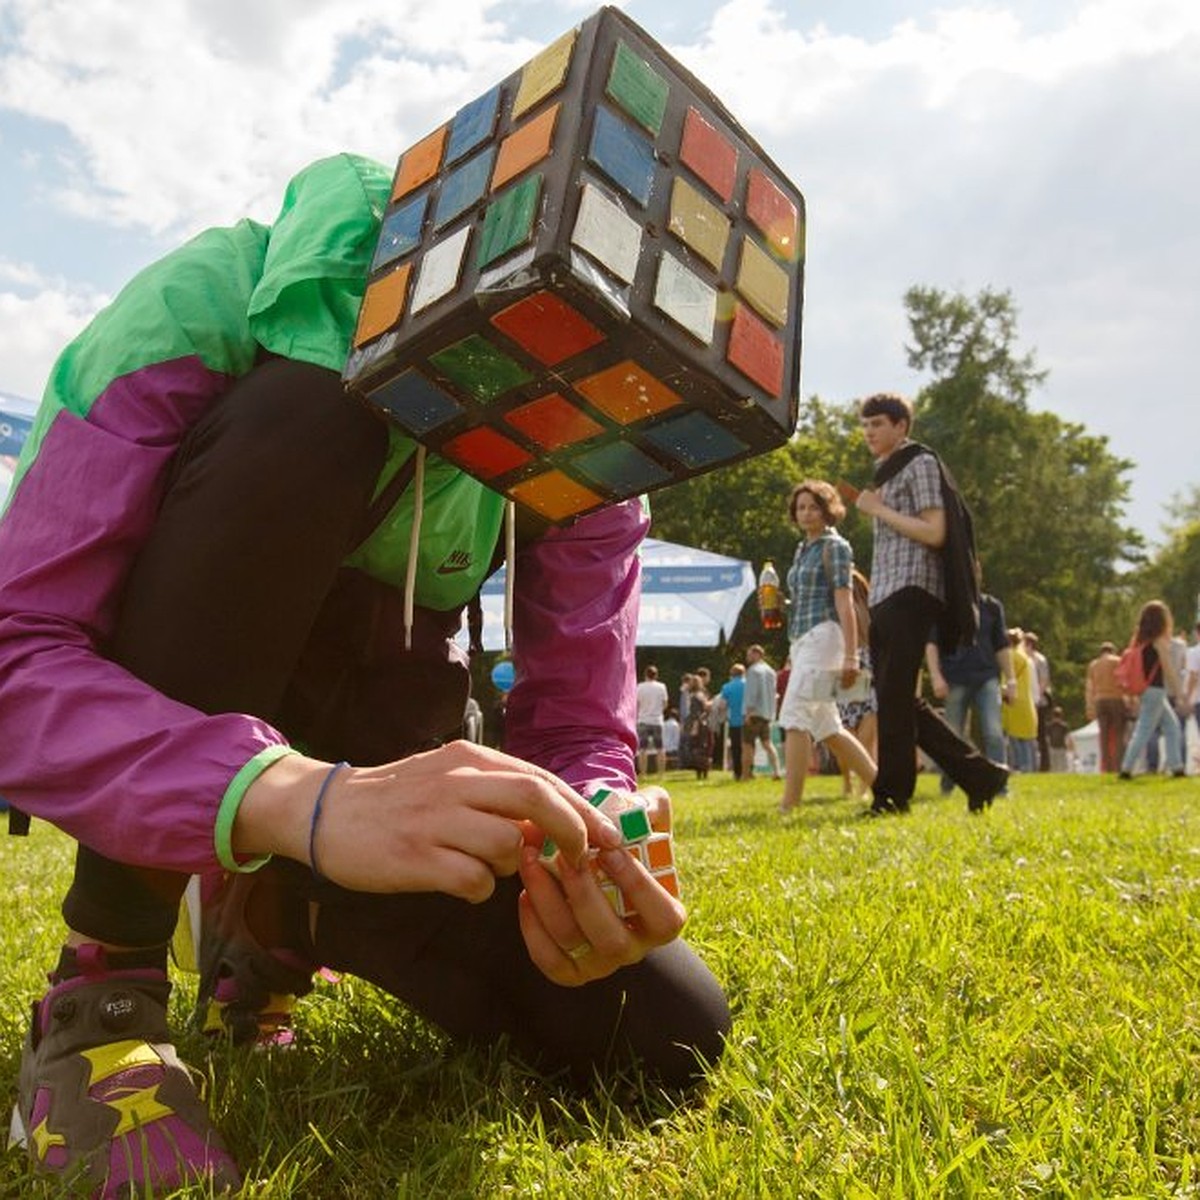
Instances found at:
x=1047 y=148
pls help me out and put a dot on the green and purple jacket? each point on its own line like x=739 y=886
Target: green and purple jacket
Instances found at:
x=140 y=777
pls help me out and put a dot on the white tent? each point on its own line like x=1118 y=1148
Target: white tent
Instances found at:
x=1087 y=748
x=689 y=597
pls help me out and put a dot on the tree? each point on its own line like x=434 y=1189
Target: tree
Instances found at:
x=1174 y=572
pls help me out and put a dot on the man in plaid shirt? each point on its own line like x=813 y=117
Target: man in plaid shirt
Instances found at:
x=908 y=594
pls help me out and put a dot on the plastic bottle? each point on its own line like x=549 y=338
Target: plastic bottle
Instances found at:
x=770 y=603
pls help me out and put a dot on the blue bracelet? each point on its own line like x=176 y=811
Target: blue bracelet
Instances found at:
x=316 y=816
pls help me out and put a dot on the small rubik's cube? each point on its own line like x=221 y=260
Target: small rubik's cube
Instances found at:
x=588 y=283
x=647 y=839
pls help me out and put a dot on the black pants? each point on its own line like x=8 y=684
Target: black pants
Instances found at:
x=900 y=628
x=238 y=602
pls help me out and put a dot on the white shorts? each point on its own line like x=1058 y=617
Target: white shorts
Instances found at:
x=816 y=660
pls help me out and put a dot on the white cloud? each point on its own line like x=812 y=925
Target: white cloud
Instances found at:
x=193 y=113
x=37 y=318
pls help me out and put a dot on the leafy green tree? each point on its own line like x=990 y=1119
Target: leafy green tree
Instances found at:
x=1174 y=571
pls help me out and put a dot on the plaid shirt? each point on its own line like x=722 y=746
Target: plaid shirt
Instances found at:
x=899 y=561
x=810 y=590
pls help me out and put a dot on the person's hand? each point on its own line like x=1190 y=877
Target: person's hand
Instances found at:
x=941 y=689
x=450 y=820
x=849 y=673
x=869 y=502
x=572 y=932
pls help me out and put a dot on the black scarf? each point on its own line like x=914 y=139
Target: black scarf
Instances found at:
x=897 y=461
x=959 y=624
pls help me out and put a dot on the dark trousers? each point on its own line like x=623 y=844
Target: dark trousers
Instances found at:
x=735 y=750
x=900 y=627
x=1043 y=739
x=1113 y=720
x=238 y=602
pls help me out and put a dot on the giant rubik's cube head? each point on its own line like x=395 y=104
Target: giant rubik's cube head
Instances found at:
x=588 y=283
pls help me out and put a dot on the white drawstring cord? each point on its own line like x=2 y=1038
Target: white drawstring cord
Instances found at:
x=414 y=545
x=510 y=572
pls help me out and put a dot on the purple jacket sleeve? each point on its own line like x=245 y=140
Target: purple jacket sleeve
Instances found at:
x=87 y=746
x=572 y=709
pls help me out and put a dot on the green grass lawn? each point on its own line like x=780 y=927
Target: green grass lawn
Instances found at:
x=935 y=1005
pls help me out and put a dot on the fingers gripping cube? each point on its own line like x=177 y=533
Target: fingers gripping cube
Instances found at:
x=646 y=837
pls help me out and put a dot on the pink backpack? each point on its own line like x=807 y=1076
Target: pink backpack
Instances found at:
x=1131 y=670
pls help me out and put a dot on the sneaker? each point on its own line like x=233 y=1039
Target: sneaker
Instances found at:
x=996 y=786
x=247 y=991
x=886 y=806
x=103 y=1097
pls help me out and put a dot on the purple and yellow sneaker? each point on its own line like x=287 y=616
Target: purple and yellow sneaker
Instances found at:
x=103 y=1097
x=248 y=990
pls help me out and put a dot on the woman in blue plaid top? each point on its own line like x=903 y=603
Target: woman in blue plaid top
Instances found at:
x=823 y=638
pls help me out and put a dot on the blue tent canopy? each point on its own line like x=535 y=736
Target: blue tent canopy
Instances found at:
x=690 y=597
x=16 y=420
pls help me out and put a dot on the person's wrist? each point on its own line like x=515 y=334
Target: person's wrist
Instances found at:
x=275 y=814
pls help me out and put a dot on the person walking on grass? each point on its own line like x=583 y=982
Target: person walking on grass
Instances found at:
x=910 y=578
x=733 y=692
x=651 y=708
x=1020 y=718
x=1152 y=639
x=976 y=680
x=823 y=638
x=1107 y=706
x=759 y=704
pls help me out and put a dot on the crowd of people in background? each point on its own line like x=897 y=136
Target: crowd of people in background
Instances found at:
x=1143 y=728
x=993 y=693
x=843 y=697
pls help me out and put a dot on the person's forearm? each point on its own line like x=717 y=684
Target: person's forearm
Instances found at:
x=845 y=612
x=573 y=708
x=928 y=527
x=928 y=530
x=933 y=659
x=1008 y=673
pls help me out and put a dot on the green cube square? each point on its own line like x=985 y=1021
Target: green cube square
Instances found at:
x=476 y=366
x=635 y=824
x=508 y=222
x=638 y=88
